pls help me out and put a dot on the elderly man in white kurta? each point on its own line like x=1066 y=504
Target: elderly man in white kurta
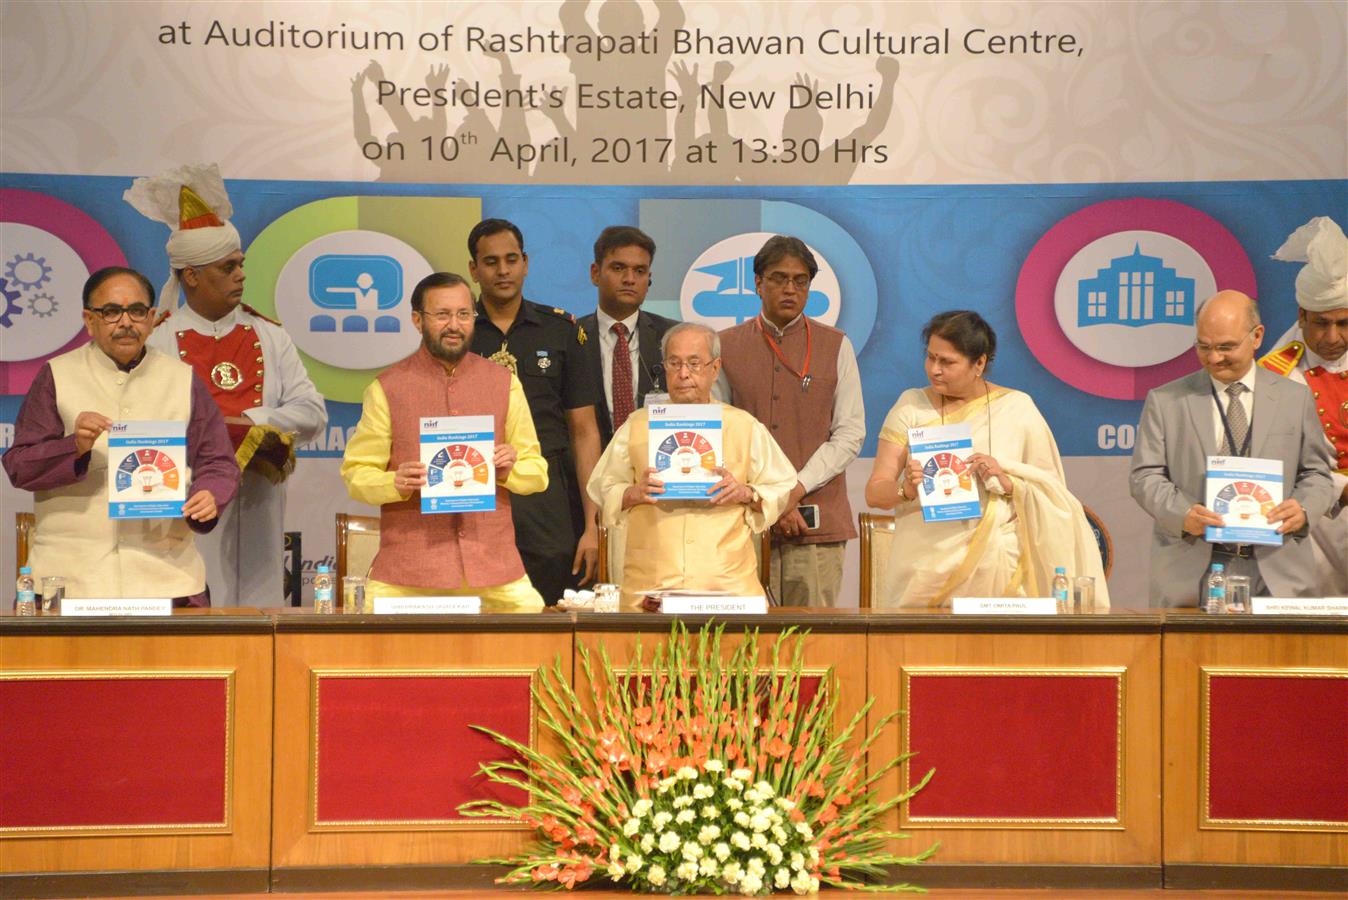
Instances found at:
x=251 y=367
x=1314 y=351
x=701 y=545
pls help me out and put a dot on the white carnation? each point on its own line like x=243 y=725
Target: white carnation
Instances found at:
x=691 y=850
x=714 y=765
x=634 y=863
x=786 y=803
x=647 y=843
x=759 y=840
x=742 y=819
x=641 y=807
x=703 y=791
x=733 y=804
x=742 y=774
x=731 y=873
x=750 y=884
x=669 y=842
x=797 y=860
x=631 y=827
x=681 y=802
x=732 y=784
x=661 y=819
x=708 y=833
x=687 y=773
x=782 y=879
x=803 y=829
x=760 y=822
x=707 y=866
x=685 y=816
x=616 y=871
x=709 y=812
x=686 y=871
x=755 y=865
x=740 y=840
x=722 y=851
x=774 y=855
x=656 y=875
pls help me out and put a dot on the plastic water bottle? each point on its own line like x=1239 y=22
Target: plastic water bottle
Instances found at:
x=25 y=603
x=1062 y=591
x=323 y=590
x=1215 y=601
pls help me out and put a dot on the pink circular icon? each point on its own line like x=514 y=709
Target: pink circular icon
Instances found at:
x=1230 y=265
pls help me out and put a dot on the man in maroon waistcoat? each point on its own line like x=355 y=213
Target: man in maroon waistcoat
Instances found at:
x=799 y=377
x=462 y=553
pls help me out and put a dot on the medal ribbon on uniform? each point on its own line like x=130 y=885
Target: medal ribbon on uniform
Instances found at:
x=804 y=373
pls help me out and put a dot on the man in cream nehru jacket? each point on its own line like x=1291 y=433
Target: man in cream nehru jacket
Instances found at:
x=1314 y=352
x=250 y=366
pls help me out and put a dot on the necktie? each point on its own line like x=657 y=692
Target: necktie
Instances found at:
x=1236 y=420
x=622 y=376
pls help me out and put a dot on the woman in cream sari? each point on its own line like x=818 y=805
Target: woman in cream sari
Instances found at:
x=1030 y=522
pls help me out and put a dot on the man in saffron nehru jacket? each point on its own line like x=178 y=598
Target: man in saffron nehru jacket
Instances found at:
x=799 y=377
x=250 y=366
x=60 y=453
x=1314 y=351
x=704 y=545
x=468 y=553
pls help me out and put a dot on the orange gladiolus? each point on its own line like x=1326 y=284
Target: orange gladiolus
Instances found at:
x=545 y=873
x=828 y=813
x=778 y=747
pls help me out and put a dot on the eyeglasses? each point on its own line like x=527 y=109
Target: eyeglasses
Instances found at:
x=443 y=318
x=781 y=280
x=694 y=366
x=113 y=313
x=1222 y=349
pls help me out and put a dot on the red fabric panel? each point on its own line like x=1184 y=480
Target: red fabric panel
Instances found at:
x=1278 y=748
x=1015 y=746
x=398 y=748
x=112 y=752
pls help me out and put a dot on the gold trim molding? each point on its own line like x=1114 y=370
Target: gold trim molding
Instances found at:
x=316 y=677
x=157 y=828
x=1207 y=822
x=1109 y=823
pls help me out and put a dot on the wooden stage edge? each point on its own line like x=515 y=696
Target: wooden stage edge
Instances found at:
x=481 y=879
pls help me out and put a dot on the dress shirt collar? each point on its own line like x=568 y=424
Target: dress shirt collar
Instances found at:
x=767 y=323
x=185 y=318
x=1247 y=379
x=1334 y=366
x=606 y=322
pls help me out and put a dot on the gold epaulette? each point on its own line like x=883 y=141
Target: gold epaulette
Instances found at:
x=1284 y=359
x=252 y=312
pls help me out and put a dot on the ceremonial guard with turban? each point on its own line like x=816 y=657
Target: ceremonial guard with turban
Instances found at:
x=1314 y=351
x=251 y=367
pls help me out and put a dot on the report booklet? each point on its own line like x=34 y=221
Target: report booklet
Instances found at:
x=948 y=491
x=460 y=474
x=685 y=448
x=147 y=470
x=1243 y=490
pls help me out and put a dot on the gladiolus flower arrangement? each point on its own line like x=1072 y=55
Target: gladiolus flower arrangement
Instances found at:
x=699 y=774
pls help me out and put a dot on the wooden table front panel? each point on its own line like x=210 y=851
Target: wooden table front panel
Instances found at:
x=1050 y=742
x=1256 y=749
x=185 y=778
x=387 y=792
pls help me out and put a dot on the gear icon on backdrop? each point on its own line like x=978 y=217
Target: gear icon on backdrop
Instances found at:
x=12 y=308
x=43 y=305
x=28 y=271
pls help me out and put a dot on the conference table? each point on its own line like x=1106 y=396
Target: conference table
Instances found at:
x=238 y=750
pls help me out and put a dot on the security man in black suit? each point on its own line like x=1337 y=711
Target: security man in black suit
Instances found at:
x=556 y=530
x=625 y=347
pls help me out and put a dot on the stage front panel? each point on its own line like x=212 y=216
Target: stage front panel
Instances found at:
x=394 y=749
x=1276 y=748
x=114 y=751
x=1015 y=747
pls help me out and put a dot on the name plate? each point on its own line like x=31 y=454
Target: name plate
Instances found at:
x=94 y=606
x=1299 y=606
x=717 y=605
x=1004 y=606
x=421 y=606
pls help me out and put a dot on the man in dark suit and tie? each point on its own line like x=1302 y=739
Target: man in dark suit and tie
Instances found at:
x=1230 y=408
x=627 y=349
